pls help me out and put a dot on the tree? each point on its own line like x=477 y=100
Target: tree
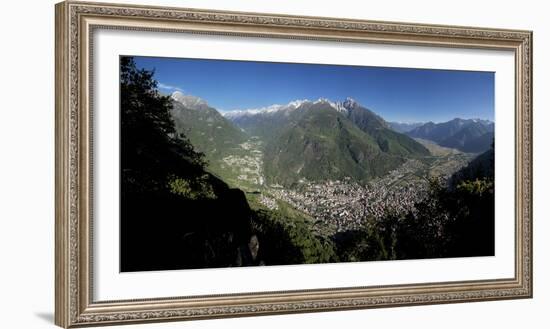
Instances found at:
x=150 y=149
x=174 y=214
x=288 y=240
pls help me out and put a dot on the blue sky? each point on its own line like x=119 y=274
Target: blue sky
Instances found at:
x=396 y=94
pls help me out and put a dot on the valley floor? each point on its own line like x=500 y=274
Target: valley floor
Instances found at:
x=341 y=205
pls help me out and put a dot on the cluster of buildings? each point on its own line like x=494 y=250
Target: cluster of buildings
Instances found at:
x=342 y=205
x=246 y=165
x=346 y=205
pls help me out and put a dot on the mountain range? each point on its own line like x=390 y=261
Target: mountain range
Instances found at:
x=467 y=135
x=319 y=140
x=313 y=140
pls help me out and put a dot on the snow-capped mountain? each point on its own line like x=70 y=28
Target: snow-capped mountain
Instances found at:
x=290 y=137
x=189 y=101
x=265 y=110
x=293 y=105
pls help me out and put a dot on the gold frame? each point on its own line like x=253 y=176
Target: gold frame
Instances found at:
x=75 y=23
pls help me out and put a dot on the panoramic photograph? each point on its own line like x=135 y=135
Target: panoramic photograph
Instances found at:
x=228 y=163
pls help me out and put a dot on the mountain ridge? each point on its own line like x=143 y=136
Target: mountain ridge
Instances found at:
x=467 y=135
x=207 y=130
x=324 y=144
x=292 y=105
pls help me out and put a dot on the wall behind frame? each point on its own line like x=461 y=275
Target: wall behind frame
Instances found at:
x=27 y=162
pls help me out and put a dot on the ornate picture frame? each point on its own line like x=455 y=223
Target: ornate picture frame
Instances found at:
x=76 y=22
